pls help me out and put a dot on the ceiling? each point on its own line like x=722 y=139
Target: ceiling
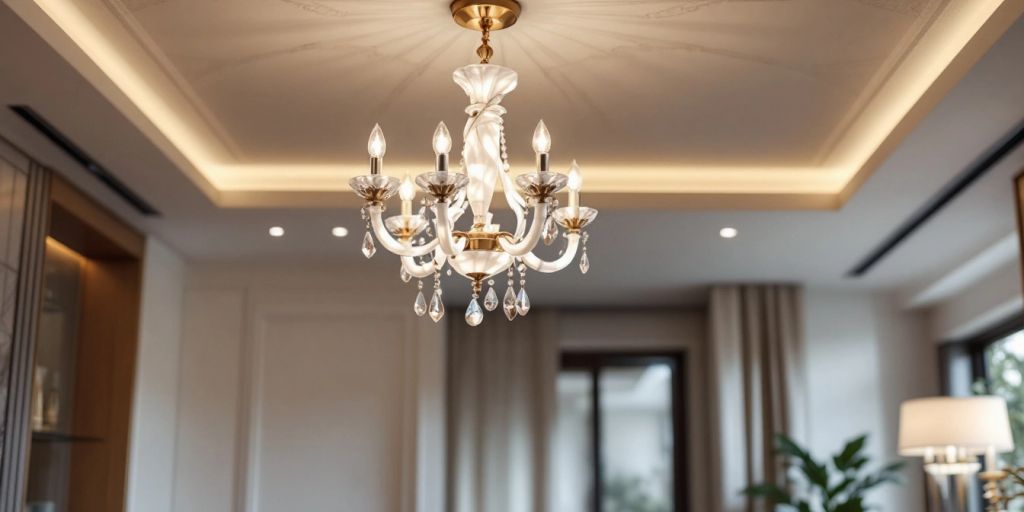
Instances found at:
x=669 y=104
x=639 y=257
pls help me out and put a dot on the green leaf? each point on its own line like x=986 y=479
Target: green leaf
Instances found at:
x=850 y=454
x=773 y=493
x=816 y=474
x=786 y=446
x=840 y=487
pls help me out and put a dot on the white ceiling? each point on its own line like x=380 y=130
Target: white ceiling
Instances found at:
x=638 y=257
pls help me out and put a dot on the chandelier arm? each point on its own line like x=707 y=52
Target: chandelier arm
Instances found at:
x=548 y=267
x=420 y=271
x=389 y=242
x=527 y=244
x=516 y=203
x=444 y=231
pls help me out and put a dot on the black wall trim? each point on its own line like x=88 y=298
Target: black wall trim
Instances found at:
x=79 y=155
x=965 y=179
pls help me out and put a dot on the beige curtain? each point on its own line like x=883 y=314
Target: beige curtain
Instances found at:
x=757 y=386
x=501 y=413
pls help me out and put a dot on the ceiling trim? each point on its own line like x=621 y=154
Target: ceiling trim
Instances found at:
x=978 y=168
x=97 y=42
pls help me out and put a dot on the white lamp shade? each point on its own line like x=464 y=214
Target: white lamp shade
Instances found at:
x=974 y=424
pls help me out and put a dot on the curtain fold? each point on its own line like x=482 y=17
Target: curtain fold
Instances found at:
x=501 y=413
x=757 y=386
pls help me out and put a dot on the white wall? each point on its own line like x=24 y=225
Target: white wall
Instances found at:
x=864 y=357
x=308 y=388
x=644 y=330
x=988 y=301
x=151 y=463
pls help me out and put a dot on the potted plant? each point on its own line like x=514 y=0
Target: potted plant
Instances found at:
x=835 y=485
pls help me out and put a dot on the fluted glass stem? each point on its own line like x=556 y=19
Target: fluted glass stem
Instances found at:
x=389 y=242
x=563 y=261
x=524 y=246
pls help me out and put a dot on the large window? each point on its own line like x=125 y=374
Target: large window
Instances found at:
x=619 y=444
x=1002 y=373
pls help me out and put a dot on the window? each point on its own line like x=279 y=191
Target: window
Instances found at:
x=619 y=442
x=1002 y=373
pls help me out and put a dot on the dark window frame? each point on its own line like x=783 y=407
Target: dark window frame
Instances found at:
x=593 y=363
x=975 y=346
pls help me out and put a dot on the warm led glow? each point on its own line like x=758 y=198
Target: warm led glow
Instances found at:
x=442 y=140
x=575 y=177
x=541 y=139
x=339 y=232
x=132 y=79
x=377 y=146
x=276 y=231
x=728 y=233
x=53 y=245
x=407 y=191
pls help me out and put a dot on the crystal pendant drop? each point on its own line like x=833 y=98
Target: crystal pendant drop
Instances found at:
x=550 y=231
x=436 y=307
x=420 y=306
x=491 y=299
x=474 y=315
x=368 y=248
x=523 y=302
x=509 y=304
x=585 y=263
x=404 y=274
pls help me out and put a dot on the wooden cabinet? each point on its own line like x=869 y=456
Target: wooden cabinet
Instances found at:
x=75 y=407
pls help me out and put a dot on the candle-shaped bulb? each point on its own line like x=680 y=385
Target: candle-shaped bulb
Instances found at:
x=541 y=139
x=407 y=191
x=575 y=184
x=575 y=177
x=377 y=146
x=442 y=140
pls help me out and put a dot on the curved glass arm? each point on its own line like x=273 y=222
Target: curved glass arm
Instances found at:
x=563 y=261
x=420 y=271
x=389 y=242
x=516 y=203
x=524 y=246
x=444 y=231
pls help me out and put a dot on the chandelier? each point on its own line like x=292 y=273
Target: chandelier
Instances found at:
x=428 y=240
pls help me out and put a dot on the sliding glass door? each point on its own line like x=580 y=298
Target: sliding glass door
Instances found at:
x=619 y=438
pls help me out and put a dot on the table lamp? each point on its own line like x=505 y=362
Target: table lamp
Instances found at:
x=950 y=434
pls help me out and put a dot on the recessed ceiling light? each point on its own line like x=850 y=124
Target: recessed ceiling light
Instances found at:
x=277 y=231
x=339 y=232
x=728 y=233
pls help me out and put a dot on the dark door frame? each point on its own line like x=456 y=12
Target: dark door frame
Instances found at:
x=593 y=363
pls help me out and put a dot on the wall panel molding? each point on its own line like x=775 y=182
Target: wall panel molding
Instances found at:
x=279 y=320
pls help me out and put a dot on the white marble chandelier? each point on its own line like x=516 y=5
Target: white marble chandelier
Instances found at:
x=428 y=240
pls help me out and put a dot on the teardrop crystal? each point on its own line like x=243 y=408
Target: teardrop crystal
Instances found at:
x=523 y=302
x=474 y=315
x=420 y=306
x=436 y=307
x=550 y=231
x=509 y=304
x=585 y=263
x=404 y=274
x=491 y=300
x=368 y=248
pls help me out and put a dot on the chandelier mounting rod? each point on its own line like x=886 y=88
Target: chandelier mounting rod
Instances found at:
x=486 y=16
